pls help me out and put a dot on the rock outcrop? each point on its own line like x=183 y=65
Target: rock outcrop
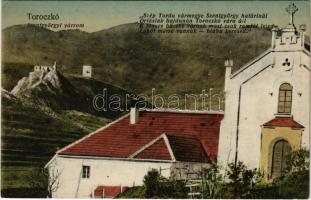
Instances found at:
x=46 y=88
x=6 y=95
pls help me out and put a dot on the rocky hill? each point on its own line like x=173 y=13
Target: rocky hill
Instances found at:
x=47 y=88
x=57 y=91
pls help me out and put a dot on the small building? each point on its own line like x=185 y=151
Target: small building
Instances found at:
x=87 y=71
x=176 y=143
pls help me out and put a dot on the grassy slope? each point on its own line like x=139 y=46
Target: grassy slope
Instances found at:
x=27 y=142
x=30 y=138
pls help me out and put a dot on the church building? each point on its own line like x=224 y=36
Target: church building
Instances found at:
x=267 y=113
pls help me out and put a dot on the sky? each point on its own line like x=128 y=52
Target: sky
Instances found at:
x=98 y=15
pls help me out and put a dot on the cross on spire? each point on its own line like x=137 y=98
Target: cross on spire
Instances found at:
x=291 y=9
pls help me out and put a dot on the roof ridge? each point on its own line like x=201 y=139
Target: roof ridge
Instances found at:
x=248 y=64
x=183 y=111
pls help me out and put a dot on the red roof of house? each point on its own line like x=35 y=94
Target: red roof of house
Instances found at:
x=108 y=191
x=283 y=122
x=158 y=150
x=122 y=139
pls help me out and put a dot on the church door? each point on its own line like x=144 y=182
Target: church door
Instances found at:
x=281 y=151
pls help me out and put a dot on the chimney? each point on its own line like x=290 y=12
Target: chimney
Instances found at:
x=134 y=115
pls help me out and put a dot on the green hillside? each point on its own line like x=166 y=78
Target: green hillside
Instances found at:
x=136 y=61
x=30 y=137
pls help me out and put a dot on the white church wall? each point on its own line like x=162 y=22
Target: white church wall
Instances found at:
x=228 y=131
x=102 y=172
x=227 y=137
x=258 y=106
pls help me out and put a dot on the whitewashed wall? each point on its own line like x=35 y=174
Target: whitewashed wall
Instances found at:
x=257 y=106
x=102 y=172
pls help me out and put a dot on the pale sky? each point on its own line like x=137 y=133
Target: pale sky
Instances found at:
x=98 y=15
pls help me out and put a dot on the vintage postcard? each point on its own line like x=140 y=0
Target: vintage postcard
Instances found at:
x=155 y=99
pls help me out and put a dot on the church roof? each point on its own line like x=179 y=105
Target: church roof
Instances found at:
x=185 y=136
x=283 y=122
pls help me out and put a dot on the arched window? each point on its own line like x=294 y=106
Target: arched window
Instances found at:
x=285 y=98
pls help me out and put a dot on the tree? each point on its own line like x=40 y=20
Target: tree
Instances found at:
x=151 y=182
x=242 y=180
x=158 y=186
x=54 y=174
x=44 y=180
x=37 y=179
x=298 y=160
x=295 y=184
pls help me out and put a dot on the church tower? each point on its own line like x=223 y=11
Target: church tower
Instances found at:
x=289 y=38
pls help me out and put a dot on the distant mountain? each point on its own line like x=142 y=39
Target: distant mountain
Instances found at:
x=122 y=56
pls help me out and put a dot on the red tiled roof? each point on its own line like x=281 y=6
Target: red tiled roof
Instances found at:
x=122 y=139
x=108 y=191
x=283 y=122
x=158 y=150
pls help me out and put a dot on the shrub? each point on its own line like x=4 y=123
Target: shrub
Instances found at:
x=298 y=160
x=158 y=186
x=296 y=183
x=133 y=192
x=213 y=181
x=241 y=180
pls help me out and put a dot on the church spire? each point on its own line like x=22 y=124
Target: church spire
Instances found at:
x=288 y=38
x=291 y=10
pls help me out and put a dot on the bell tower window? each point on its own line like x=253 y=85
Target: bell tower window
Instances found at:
x=285 y=98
